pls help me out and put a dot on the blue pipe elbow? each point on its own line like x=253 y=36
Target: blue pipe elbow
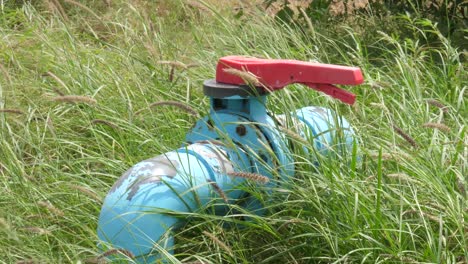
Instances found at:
x=328 y=132
x=141 y=209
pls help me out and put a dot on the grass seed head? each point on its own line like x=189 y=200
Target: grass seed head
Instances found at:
x=56 y=78
x=251 y=176
x=461 y=186
x=198 y=5
x=437 y=104
x=401 y=176
x=174 y=64
x=248 y=77
x=87 y=192
x=385 y=156
x=379 y=85
x=193 y=65
x=187 y=108
x=104 y=122
x=51 y=208
x=428 y=216
x=28 y=261
x=37 y=230
x=75 y=99
x=293 y=135
x=407 y=137
x=218 y=190
x=11 y=111
x=438 y=126
x=218 y=242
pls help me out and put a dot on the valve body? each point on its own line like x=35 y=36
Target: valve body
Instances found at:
x=158 y=195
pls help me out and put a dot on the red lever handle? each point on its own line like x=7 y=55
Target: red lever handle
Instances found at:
x=276 y=74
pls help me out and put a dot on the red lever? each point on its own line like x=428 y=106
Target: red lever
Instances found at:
x=276 y=74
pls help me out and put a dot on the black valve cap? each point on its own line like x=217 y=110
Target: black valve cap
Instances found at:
x=215 y=89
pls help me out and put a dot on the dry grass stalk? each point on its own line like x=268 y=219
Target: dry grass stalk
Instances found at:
x=75 y=99
x=307 y=19
x=218 y=242
x=57 y=6
x=104 y=122
x=461 y=185
x=409 y=139
x=87 y=9
x=27 y=261
x=248 y=77
x=251 y=176
x=370 y=178
x=385 y=156
x=56 y=90
x=50 y=125
x=12 y=111
x=198 y=5
x=180 y=105
x=5 y=73
x=37 y=230
x=38 y=216
x=87 y=192
x=454 y=142
x=218 y=190
x=437 y=104
x=51 y=208
x=96 y=260
x=401 y=176
x=294 y=135
x=379 y=85
x=116 y=251
x=175 y=64
x=151 y=50
x=108 y=3
x=193 y=65
x=401 y=156
x=428 y=216
x=379 y=105
x=57 y=79
x=402 y=258
x=4 y=223
x=440 y=126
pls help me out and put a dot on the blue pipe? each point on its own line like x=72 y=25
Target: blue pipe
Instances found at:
x=143 y=206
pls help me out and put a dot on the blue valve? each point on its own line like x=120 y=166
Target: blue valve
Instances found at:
x=143 y=208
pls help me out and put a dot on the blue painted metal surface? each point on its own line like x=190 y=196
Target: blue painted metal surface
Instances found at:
x=146 y=204
x=141 y=208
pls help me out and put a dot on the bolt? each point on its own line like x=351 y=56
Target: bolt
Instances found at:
x=210 y=125
x=241 y=130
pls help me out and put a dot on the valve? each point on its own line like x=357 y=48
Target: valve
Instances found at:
x=237 y=138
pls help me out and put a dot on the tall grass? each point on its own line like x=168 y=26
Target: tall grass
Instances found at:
x=76 y=111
